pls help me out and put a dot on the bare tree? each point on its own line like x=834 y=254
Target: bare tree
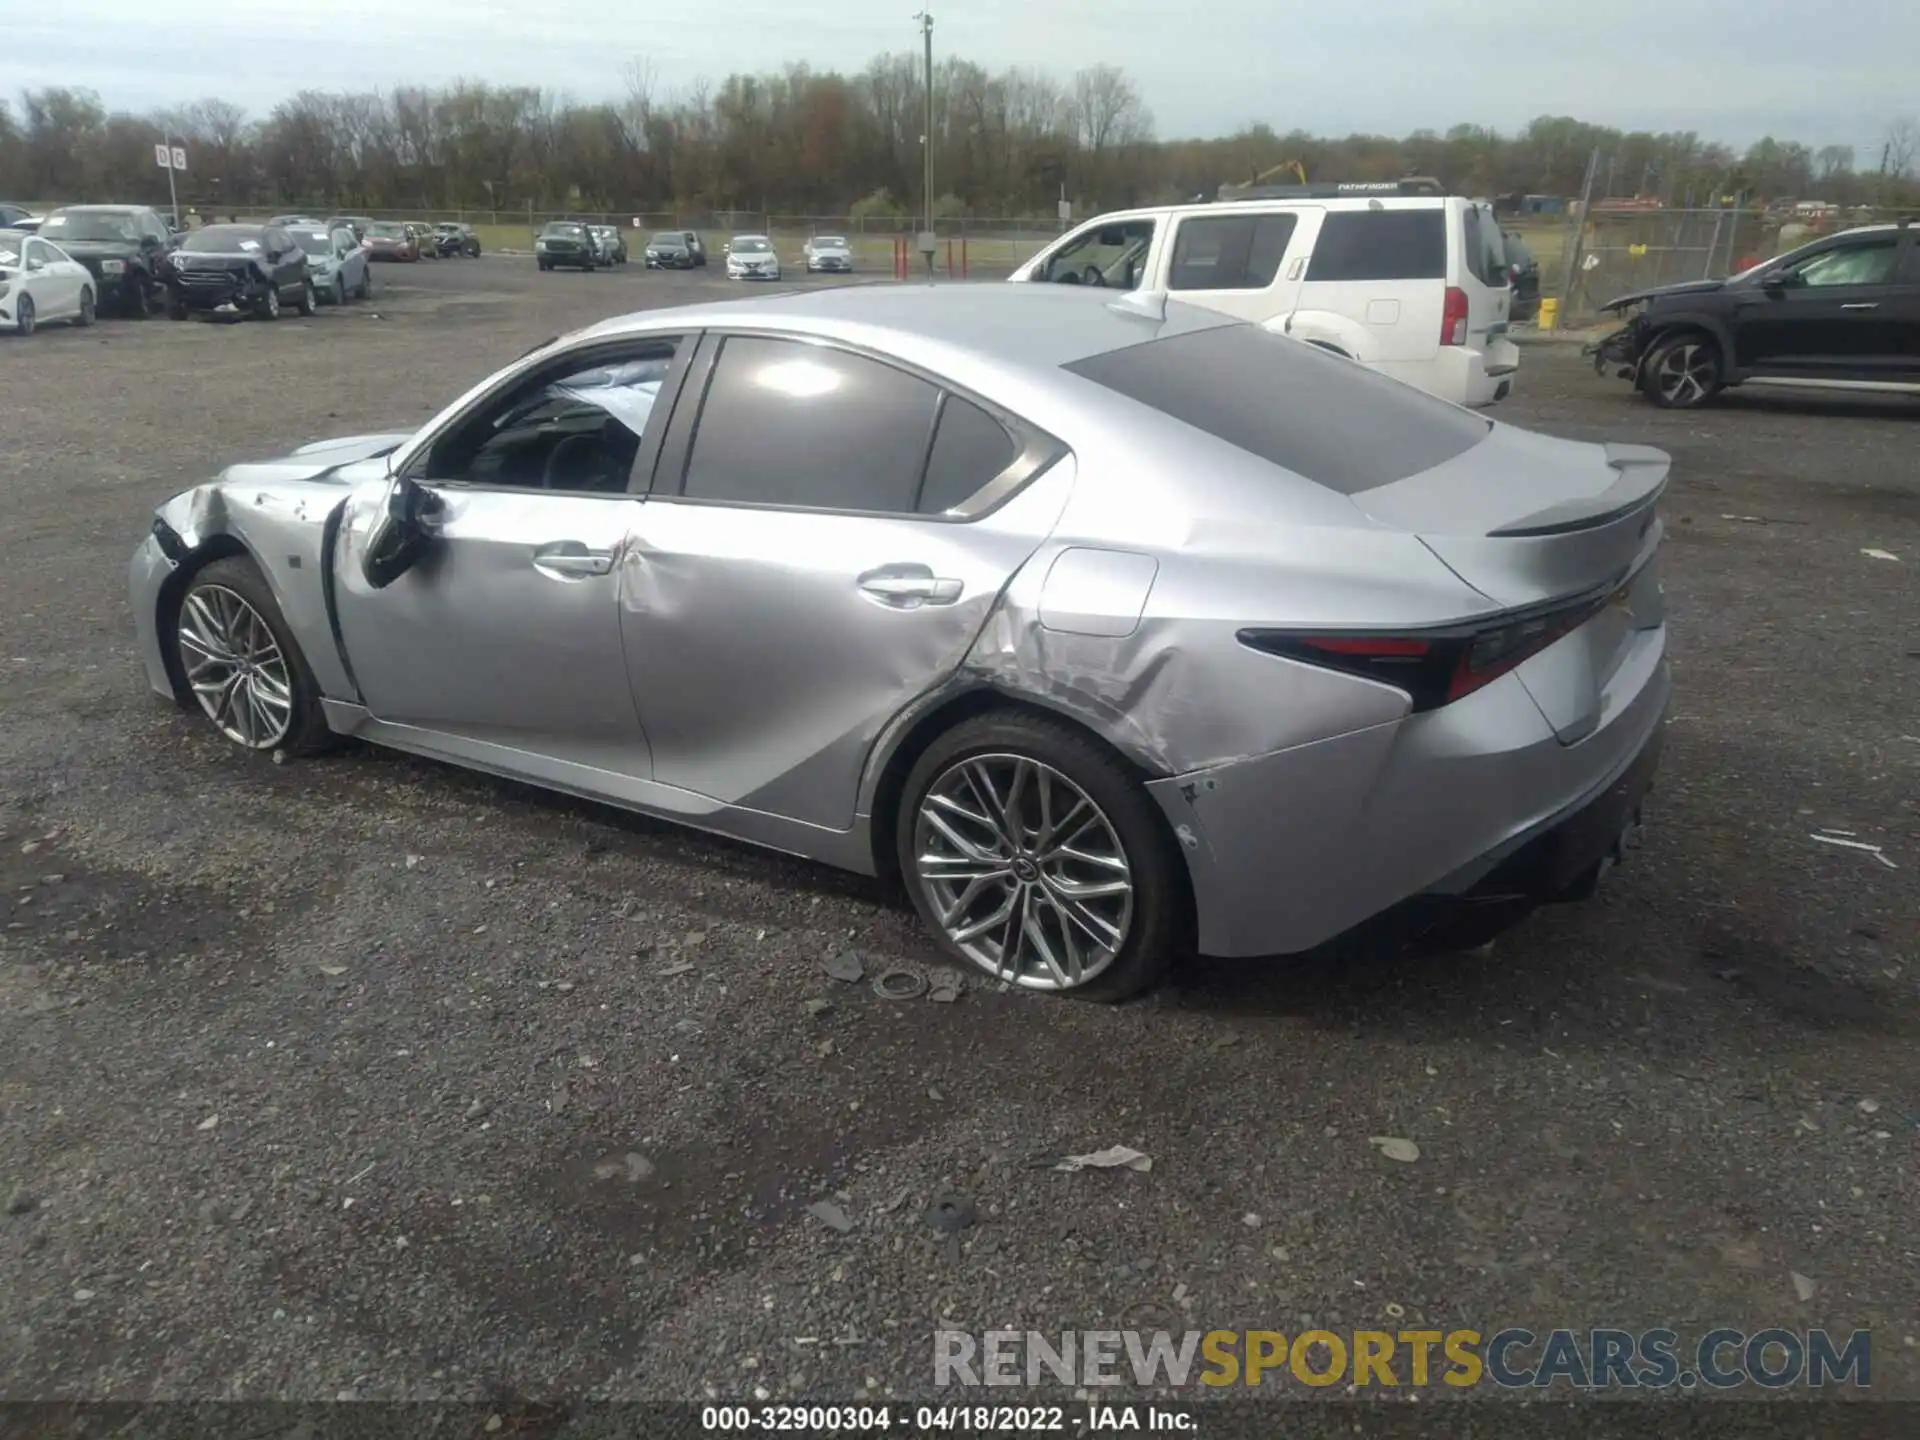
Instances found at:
x=1107 y=110
x=1902 y=146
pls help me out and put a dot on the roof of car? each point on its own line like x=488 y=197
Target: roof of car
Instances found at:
x=105 y=209
x=1027 y=326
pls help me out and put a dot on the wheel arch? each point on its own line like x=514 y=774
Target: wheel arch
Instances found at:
x=895 y=756
x=221 y=545
x=1705 y=326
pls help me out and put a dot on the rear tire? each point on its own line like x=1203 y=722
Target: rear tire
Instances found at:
x=242 y=665
x=1682 y=372
x=1027 y=832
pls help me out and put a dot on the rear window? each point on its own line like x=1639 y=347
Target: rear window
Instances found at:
x=1381 y=245
x=1325 y=418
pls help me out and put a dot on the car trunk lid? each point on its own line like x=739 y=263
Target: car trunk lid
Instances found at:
x=1548 y=526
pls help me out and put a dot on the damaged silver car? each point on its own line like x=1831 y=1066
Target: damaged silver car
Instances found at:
x=1113 y=628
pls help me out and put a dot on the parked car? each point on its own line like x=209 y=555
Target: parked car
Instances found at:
x=1524 y=270
x=752 y=257
x=359 y=224
x=613 y=245
x=391 y=240
x=293 y=222
x=1179 y=633
x=257 y=270
x=566 y=243
x=337 y=264
x=828 y=254
x=1400 y=275
x=668 y=250
x=40 y=281
x=450 y=237
x=18 y=218
x=1841 y=312
x=124 y=246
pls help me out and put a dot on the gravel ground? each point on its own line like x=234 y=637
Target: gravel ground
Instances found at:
x=365 y=1076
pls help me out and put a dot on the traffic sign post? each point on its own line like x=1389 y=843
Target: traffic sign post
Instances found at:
x=171 y=158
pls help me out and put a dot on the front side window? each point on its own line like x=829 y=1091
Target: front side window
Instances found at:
x=37 y=255
x=575 y=428
x=1869 y=262
x=1113 y=255
x=789 y=423
x=1381 y=245
x=1229 y=252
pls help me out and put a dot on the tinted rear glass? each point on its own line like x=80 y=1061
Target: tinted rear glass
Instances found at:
x=1327 y=419
x=1381 y=245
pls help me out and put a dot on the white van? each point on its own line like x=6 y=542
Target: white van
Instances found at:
x=1397 y=275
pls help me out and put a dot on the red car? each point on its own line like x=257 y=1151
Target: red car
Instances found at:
x=390 y=240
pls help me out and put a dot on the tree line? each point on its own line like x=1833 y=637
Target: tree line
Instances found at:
x=803 y=141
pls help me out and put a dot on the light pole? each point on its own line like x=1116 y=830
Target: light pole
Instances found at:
x=925 y=17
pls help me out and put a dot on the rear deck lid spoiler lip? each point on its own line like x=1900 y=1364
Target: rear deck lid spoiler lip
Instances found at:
x=1629 y=493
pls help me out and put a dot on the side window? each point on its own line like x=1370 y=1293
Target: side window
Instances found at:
x=1229 y=252
x=36 y=253
x=1114 y=255
x=575 y=426
x=789 y=423
x=1381 y=245
x=278 y=241
x=1871 y=262
x=1481 y=244
x=970 y=448
x=151 y=227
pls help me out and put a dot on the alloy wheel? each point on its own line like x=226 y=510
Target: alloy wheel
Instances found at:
x=1024 y=872
x=1686 y=375
x=235 y=667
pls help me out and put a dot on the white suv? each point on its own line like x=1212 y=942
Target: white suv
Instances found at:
x=1398 y=275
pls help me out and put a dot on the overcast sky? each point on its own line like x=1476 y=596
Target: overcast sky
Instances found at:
x=1730 y=69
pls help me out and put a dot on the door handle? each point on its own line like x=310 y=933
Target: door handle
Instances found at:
x=1862 y=305
x=571 y=561
x=906 y=587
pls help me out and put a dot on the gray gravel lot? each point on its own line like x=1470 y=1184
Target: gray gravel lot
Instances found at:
x=365 y=1076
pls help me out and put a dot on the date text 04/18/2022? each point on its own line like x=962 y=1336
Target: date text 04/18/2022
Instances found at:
x=946 y=1419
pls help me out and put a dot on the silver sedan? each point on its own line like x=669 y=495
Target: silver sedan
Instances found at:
x=1113 y=628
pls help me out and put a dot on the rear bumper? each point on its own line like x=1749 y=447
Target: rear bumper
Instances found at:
x=1289 y=850
x=1461 y=374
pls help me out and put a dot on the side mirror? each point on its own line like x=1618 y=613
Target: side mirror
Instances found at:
x=1776 y=285
x=36 y=263
x=400 y=535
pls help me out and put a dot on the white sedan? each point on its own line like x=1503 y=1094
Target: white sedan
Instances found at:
x=40 y=281
x=828 y=253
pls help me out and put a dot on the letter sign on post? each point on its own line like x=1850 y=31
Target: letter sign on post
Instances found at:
x=163 y=156
x=179 y=158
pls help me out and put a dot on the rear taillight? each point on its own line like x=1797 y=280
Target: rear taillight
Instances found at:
x=1453 y=319
x=1437 y=667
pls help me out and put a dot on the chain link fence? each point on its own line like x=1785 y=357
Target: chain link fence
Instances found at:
x=991 y=243
x=1615 y=252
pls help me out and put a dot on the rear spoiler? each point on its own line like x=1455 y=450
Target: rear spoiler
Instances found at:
x=1634 y=490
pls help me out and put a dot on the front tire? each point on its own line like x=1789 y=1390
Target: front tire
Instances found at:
x=305 y=304
x=241 y=664
x=339 y=292
x=1034 y=855
x=24 y=321
x=270 y=306
x=1682 y=372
